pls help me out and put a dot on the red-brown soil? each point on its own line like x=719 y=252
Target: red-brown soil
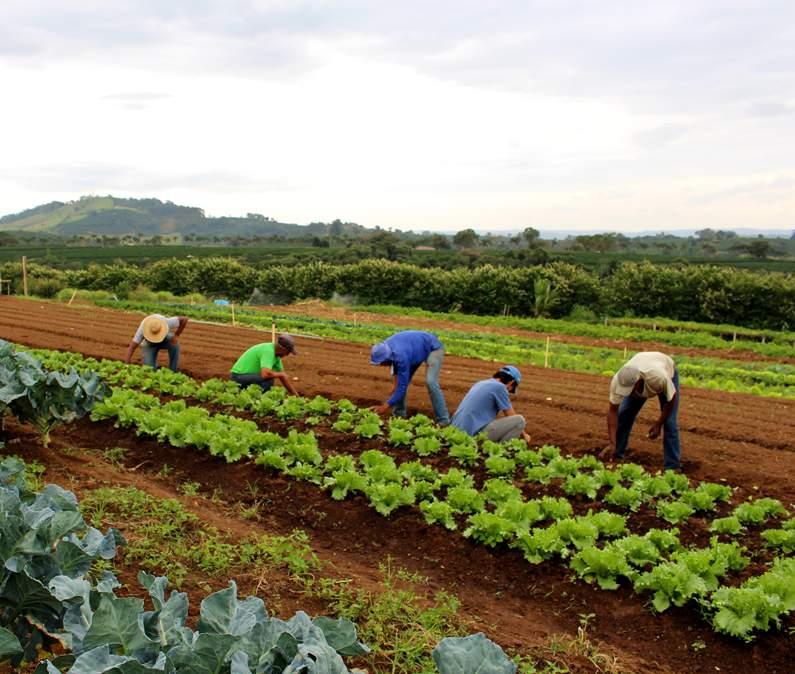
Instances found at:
x=320 y=309
x=743 y=439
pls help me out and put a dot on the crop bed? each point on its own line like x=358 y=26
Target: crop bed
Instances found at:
x=724 y=438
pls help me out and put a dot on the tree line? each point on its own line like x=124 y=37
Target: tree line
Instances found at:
x=701 y=293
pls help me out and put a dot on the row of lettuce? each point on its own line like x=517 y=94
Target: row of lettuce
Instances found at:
x=497 y=494
x=680 y=292
x=764 y=378
x=55 y=587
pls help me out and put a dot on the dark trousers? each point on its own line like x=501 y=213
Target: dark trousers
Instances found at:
x=628 y=412
x=248 y=379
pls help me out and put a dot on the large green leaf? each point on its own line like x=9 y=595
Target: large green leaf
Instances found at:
x=316 y=658
x=75 y=594
x=72 y=559
x=207 y=655
x=101 y=661
x=28 y=596
x=474 y=654
x=222 y=613
x=115 y=623
x=341 y=635
x=9 y=644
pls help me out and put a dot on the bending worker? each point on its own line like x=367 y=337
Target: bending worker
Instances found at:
x=157 y=332
x=261 y=364
x=486 y=408
x=648 y=374
x=404 y=352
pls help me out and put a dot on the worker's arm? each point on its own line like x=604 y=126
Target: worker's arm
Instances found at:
x=183 y=321
x=385 y=407
x=612 y=429
x=281 y=377
x=656 y=427
x=130 y=350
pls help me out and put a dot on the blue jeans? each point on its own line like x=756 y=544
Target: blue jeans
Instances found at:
x=248 y=379
x=434 y=367
x=627 y=413
x=150 y=351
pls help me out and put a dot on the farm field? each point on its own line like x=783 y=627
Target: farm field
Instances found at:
x=742 y=439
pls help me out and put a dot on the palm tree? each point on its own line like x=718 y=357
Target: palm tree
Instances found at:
x=545 y=297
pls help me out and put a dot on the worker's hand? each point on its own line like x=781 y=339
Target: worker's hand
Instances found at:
x=380 y=410
x=607 y=453
x=526 y=437
x=174 y=339
x=654 y=430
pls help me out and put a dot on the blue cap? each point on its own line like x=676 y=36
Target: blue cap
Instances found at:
x=380 y=353
x=512 y=372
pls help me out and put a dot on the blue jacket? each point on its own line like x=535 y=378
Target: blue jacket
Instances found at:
x=410 y=349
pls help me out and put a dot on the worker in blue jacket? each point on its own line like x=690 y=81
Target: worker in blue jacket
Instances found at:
x=404 y=352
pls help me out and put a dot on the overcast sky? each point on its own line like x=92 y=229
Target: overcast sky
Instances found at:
x=553 y=114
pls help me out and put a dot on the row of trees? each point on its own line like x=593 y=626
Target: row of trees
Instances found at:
x=688 y=292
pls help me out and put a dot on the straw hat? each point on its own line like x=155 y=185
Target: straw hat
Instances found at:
x=155 y=329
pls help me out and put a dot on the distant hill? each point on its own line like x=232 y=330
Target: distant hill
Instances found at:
x=113 y=216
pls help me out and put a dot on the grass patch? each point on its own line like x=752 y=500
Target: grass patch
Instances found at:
x=164 y=538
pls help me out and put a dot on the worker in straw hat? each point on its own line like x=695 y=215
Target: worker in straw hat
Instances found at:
x=487 y=408
x=648 y=374
x=261 y=365
x=157 y=332
x=404 y=352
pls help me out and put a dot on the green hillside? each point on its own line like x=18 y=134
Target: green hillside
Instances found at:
x=116 y=217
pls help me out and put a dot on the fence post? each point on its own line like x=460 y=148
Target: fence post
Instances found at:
x=25 y=275
x=546 y=354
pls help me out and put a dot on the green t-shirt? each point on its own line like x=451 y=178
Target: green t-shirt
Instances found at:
x=257 y=357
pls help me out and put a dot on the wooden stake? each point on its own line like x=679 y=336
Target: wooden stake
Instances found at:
x=25 y=275
x=625 y=353
x=273 y=332
x=354 y=320
x=233 y=314
x=546 y=354
x=72 y=298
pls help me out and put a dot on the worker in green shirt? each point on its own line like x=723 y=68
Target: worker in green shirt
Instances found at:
x=261 y=364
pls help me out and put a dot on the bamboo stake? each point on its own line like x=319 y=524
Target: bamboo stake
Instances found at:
x=25 y=275
x=546 y=354
x=72 y=298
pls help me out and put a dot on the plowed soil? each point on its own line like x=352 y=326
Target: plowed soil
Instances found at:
x=746 y=440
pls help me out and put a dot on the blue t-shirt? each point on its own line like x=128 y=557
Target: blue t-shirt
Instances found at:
x=410 y=349
x=481 y=405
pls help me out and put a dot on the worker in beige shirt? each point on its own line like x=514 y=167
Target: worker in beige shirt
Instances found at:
x=648 y=374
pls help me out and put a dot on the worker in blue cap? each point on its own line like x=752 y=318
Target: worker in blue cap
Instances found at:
x=404 y=352
x=487 y=408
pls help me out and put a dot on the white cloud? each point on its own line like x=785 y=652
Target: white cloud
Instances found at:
x=440 y=115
